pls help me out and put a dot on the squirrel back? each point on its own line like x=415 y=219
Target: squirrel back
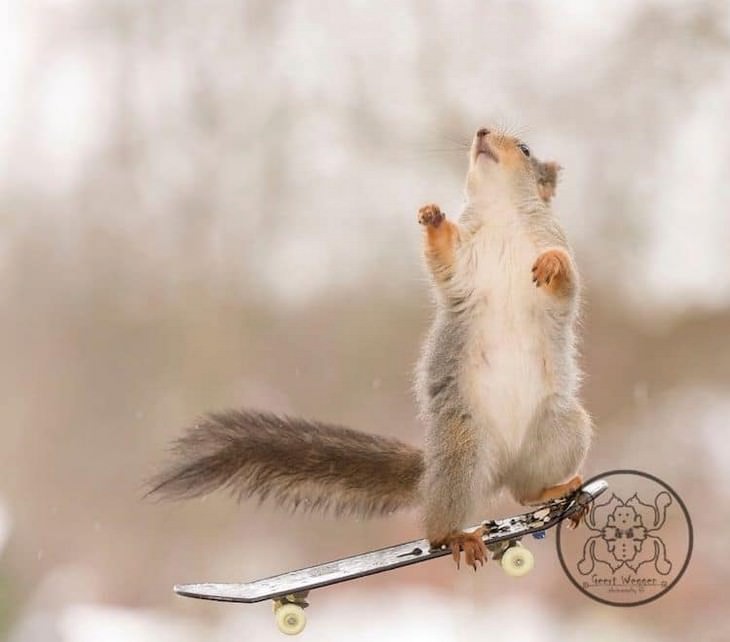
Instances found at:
x=298 y=464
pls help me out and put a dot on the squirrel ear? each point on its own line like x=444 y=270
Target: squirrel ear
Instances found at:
x=547 y=179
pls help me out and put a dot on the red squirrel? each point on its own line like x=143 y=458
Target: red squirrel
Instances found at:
x=497 y=382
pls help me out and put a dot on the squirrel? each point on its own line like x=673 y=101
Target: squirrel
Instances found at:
x=496 y=383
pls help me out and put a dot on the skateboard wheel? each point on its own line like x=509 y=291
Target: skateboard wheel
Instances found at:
x=517 y=561
x=290 y=618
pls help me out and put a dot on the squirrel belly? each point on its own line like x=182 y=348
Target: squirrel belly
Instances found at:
x=297 y=464
x=506 y=369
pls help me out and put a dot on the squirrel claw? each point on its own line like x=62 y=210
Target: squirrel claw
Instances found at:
x=431 y=215
x=549 y=268
x=473 y=546
x=575 y=519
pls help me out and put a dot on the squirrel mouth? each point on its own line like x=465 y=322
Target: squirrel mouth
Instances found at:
x=485 y=149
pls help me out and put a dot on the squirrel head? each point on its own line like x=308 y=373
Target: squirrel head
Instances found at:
x=502 y=163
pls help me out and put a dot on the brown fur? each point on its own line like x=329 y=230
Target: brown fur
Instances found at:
x=547 y=178
x=471 y=543
x=555 y=492
x=440 y=237
x=298 y=464
x=553 y=270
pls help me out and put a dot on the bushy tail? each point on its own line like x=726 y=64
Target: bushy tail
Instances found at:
x=296 y=463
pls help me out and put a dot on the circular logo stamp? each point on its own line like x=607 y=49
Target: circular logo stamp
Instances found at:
x=634 y=544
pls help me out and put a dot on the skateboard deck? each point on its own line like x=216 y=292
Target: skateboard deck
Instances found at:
x=500 y=535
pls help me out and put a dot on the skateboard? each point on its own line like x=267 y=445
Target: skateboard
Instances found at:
x=289 y=591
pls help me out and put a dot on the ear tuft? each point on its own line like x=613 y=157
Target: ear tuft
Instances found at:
x=547 y=178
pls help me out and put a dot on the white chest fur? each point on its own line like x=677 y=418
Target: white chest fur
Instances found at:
x=504 y=374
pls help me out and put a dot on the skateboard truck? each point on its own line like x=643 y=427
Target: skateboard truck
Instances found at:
x=289 y=612
x=513 y=557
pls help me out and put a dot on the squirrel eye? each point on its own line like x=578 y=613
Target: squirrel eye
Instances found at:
x=524 y=149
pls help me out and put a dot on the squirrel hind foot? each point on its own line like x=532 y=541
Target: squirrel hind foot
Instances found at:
x=554 y=492
x=576 y=518
x=470 y=543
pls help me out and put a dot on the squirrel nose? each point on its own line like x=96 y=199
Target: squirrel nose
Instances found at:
x=482 y=132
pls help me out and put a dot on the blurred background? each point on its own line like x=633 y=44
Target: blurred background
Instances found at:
x=213 y=204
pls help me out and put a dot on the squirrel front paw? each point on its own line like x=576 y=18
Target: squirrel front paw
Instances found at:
x=431 y=215
x=551 y=269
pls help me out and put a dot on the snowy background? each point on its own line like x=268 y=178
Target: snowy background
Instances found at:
x=212 y=204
